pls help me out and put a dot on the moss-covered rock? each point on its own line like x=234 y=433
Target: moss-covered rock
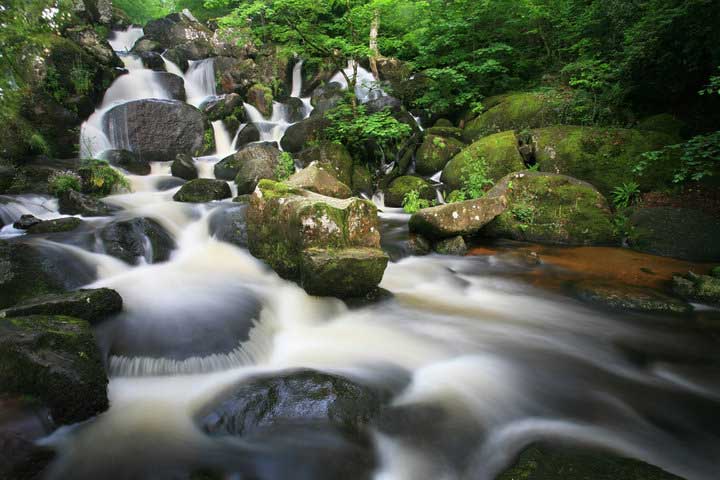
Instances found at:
x=604 y=157
x=676 y=232
x=447 y=131
x=261 y=97
x=301 y=234
x=555 y=209
x=203 y=190
x=628 y=297
x=435 y=152
x=326 y=97
x=698 y=288
x=24 y=274
x=76 y=203
x=57 y=225
x=401 y=186
x=451 y=246
x=254 y=163
x=362 y=181
x=333 y=157
x=499 y=153
x=542 y=462
x=453 y=219
x=316 y=179
x=55 y=359
x=665 y=123
x=91 y=305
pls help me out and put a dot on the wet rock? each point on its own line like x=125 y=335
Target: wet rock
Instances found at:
x=698 y=288
x=176 y=29
x=326 y=97
x=26 y=221
x=184 y=167
x=157 y=130
x=295 y=109
x=154 y=61
x=333 y=157
x=169 y=183
x=174 y=85
x=137 y=238
x=554 y=209
x=676 y=232
x=203 y=190
x=248 y=134
x=385 y=102
x=298 y=135
x=303 y=397
x=60 y=365
x=127 y=160
x=261 y=97
x=255 y=162
x=544 y=462
x=498 y=153
x=451 y=246
x=435 y=152
x=57 y=225
x=453 y=219
x=329 y=246
x=316 y=179
x=145 y=45
x=447 y=131
x=628 y=297
x=92 y=305
x=229 y=225
x=266 y=153
x=23 y=421
x=401 y=186
x=223 y=107
x=76 y=203
x=419 y=245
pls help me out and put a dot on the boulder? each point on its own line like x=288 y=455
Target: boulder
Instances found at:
x=435 y=152
x=227 y=223
x=329 y=246
x=247 y=135
x=93 y=305
x=498 y=153
x=362 y=180
x=154 y=61
x=445 y=131
x=299 y=134
x=203 y=190
x=26 y=221
x=676 y=232
x=290 y=398
x=333 y=157
x=128 y=161
x=549 y=208
x=401 y=186
x=223 y=107
x=295 y=109
x=257 y=160
x=453 y=219
x=604 y=157
x=326 y=97
x=55 y=359
x=383 y=102
x=57 y=225
x=316 y=179
x=76 y=203
x=184 y=167
x=156 y=130
x=698 y=288
x=629 y=297
x=145 y=45
x=171 y=83
x=261 y=97
x=451 y=246
x=176 y=29
x=137 y=238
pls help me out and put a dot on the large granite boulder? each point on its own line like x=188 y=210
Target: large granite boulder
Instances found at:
x=176 y=29
x=329 y=246
x=299 y=134
x=457 y=219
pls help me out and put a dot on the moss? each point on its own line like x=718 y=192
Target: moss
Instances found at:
x=401 y=186
x=664 y=123
x=333 y=157
x=271 y=189
x=348 y=272
x=362 y=181
x=435 y=152
x=203 y=190
x=698 y=288
x=208 y=146
x=501 y=155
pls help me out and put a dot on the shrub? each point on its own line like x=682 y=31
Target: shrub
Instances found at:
x=99 y=178
x=412 y=202
x=64 y=181
x=699 y=157
x=475 y=179
x=285 y=166
x=624 y=195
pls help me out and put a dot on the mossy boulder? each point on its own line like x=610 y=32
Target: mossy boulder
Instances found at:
x=451 y=246
x=517 y=111
x=203 y=190
x=25 y=273
x=255 y=162
x=261 y=97
x=326 y=97
x=137 y=238
x=58 y=225
x=676 y=232
x=554 y=209
x=401 y=186
x=300 y=134
x=628 y=297
x=221 y=108
x=76 y=203
x=665 y=123
x=435 y=152
x=544 y=462
x=333 y=157
x=499 y=153
x=184 y=167
x=304 y=236
x=55 y=359
x=127 y=160
x=91 y=305
x=362 y=180
x=445 y=131
x=698 y=288
x=454 y=219
x=316 y=179
x=604 y=157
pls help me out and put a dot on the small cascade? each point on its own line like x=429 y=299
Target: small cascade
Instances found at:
x=366 y=86
x=172 y=67
x=13 y=207
x=200 y=81
x=124 y=40
x=223 y=143
x=436 y=178
x=272 y=129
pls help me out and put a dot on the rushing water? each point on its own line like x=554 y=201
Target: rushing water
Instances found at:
x=480 y=361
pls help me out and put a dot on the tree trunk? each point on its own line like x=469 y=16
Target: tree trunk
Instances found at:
x=374 y=52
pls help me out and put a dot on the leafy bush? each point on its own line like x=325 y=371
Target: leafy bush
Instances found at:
x=60 y=182
x=99 y=178
x=475 y=179
x=285 y=166
x=699 y=157
x=624 y=195
x=412 y=202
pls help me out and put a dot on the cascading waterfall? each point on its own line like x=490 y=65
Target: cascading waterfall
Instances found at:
x=366 y=86
x=125 y=40
x=224 y=144
x=200 y=81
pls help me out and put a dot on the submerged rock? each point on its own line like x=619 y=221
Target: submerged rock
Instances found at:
x=58 y=363
x=555 y=209
x=698 y=288
x=401 y=186
x=137 y=238
x=329 y=246
x=203 y=190
x=316 y=179
x=184 y=167
x=128 y=161
x=453 y=219
x=58 y=225
x=676 y=232
x=91 y=305
x=629 y=297
x=435 y=152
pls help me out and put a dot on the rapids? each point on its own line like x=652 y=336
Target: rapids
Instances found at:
x=501 y=362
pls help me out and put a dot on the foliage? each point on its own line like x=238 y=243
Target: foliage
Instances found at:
x=60 y=182
x=285 y=167
x=99 y=178
x=713 y=86
x=698 y=158
x=142 y=11
x=475 y=179
x=624 y=195
x=412 y=202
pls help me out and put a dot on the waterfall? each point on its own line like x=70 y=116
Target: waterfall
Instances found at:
x=200 y=81
x=272 y=129
x=124 y=40
x=366 y=86
x=223 y=143
x=297 y=80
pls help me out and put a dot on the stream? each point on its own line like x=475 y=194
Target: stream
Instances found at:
x=482 y=353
